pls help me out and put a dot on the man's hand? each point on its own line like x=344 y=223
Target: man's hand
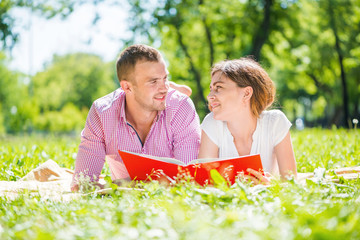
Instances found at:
x=181 y=88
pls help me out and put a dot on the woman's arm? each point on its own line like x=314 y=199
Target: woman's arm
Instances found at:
x=208 y=149
x=285 y=157
x=286 y=160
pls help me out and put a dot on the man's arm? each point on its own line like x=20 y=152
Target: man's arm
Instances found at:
x=91 y=154
x=186 y=131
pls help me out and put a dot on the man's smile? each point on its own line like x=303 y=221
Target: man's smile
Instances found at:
x=160 y=98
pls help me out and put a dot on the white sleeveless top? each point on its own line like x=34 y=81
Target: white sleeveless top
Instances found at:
x=272 y=127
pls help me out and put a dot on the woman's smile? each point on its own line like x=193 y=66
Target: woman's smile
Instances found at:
x=214 y=105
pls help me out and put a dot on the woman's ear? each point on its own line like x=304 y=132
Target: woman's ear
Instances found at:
x=248 y=92
x=126 y=86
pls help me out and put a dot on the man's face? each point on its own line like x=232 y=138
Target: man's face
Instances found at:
x=150 y=85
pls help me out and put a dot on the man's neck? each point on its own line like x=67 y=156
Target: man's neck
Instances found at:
x=140 y=119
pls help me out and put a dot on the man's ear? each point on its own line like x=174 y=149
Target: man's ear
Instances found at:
x=126 y=86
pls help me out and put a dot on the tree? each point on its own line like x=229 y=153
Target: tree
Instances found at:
x=67 y=87
x=44 y=8
x=77 y=78
x=195 y=34
x=311 y=49
x=15 y=104
x=321 y=59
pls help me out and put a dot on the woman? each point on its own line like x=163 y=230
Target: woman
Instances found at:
x=240 y=91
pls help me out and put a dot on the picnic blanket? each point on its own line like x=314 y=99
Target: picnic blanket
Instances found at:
x=49 y=180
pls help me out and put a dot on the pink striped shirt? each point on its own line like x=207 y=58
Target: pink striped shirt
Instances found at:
x=174 y=133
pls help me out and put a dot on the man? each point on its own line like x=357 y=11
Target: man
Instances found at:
x=144 y=116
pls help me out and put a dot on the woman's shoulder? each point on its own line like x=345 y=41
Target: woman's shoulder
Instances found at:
x=272 y=115
x=213 y=128
x=210 y=122
x=275 y=121
x=209 y=119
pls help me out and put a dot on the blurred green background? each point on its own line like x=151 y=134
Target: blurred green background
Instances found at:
x=311 y=49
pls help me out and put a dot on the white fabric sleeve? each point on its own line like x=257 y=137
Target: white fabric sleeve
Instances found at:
x=281 y=126
x=211 y=127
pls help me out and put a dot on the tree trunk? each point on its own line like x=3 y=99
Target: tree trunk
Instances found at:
x=209 y=40
x=323 y=87
x=343 y=75
x=197 y=76
x=208 y=36
x=262 y=35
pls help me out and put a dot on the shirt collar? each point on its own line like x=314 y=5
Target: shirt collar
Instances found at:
x=122 y=108
x=160 y=114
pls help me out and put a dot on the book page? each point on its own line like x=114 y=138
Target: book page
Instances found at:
x=170 y=160
x=180 y=163
x=165 y=159
x=208 y=160
x=204 y=160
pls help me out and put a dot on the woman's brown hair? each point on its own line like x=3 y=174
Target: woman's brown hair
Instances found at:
x=247 y=72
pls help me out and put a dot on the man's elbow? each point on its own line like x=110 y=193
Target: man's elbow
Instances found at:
x=74 y=188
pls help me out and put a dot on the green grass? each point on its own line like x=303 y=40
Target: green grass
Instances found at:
x=326 y=148
x=322 y=210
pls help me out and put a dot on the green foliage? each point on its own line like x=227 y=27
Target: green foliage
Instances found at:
x=66 y=89
x=2 y=128
x=279 y=212
x=17 y=107
x=7 y=37
x=312 y=210
x=78 y=78
x=294 y=40
x=310 y=49
x=218 y=180
x=57 y=99
x=328 y=149
x=21 y=116
x=18 y=155
x=311 y=75
x=69 y=119
x=8 y=82
x=45 y=8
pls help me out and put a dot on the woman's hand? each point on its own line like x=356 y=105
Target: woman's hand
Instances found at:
x=258 y=177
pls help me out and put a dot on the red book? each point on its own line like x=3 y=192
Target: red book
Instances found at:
x=145 y=167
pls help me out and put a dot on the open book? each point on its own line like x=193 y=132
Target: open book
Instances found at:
x=145 y=167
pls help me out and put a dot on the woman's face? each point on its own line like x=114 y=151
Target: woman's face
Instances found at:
x=225 y=97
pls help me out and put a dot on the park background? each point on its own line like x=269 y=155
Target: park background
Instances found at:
x=58 y=56
x=311 y=49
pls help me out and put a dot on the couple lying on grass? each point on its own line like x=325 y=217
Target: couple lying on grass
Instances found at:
x=147 y=115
